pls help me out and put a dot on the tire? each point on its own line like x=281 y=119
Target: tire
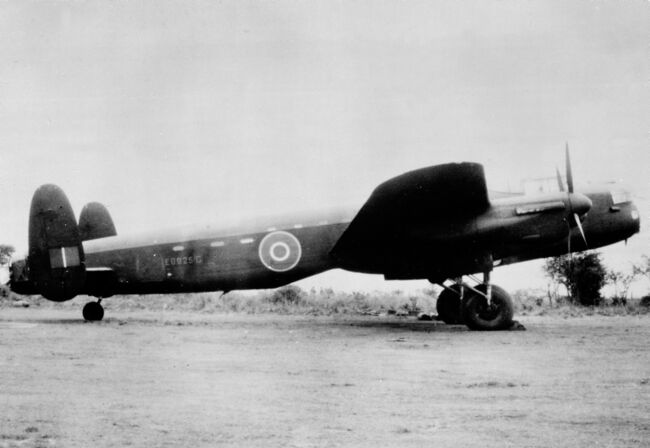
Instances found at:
x=478 y=316
x=448 y=306
x=93 y=311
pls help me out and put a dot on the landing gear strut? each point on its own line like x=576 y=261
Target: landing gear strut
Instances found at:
x=485 y=307
x=93 y=311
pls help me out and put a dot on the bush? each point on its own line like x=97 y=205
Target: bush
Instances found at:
x=645 y=302
x=582 y=274
x=5 y=253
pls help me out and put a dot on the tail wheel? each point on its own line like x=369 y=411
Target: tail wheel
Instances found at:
x=448 y=305
x=93 y=311
x=479 y=315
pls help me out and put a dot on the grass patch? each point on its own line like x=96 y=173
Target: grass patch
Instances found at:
x=538 y=303
x=325 y=301
x=287 y=300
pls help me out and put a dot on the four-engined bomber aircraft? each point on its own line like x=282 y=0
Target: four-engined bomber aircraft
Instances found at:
x=437 y=223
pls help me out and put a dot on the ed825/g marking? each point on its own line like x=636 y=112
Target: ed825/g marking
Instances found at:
x=178 y=261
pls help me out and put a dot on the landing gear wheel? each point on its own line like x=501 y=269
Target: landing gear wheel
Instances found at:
x=478 y=315
x=93 y=311
x=448 y=305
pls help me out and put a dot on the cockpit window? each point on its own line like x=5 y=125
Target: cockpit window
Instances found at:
x=620 y=196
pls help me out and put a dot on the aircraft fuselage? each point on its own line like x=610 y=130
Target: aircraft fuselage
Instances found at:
x=259 y=259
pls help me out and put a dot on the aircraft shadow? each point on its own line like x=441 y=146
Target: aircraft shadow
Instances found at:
x=56 y=321
x=377 y=323
x=406 y=325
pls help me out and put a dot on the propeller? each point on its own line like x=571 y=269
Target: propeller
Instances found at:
x=569 y=171
x=560 y=183
x=582 y=232
x=577 y=201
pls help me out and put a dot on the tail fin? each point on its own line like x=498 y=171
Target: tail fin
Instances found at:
x=95 y=222
x=56 y=257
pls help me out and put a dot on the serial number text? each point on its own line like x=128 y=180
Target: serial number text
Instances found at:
x=178 y=261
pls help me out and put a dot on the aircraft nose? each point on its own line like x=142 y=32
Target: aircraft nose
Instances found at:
x=580 y=203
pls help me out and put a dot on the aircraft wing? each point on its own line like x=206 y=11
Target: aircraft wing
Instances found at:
x=405 y=207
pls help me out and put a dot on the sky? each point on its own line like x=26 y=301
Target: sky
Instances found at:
x=183 y=112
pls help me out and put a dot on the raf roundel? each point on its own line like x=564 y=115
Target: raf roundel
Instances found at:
x=280 y=251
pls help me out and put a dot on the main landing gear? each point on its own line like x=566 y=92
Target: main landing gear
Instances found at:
x=93 y=311
x=483 y=307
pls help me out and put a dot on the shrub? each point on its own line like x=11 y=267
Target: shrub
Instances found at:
x=287 y=295
x=582 y=274
x=5 y=253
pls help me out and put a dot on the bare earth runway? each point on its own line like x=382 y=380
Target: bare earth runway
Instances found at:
x=154 y=379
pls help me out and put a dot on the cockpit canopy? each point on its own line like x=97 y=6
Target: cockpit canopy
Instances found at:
x=620 y=195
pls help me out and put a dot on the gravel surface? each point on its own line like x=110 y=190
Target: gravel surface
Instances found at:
x=183 y=379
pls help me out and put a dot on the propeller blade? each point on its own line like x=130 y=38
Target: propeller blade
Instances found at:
x=558 y=176
x=569 y=172
x=582 y=232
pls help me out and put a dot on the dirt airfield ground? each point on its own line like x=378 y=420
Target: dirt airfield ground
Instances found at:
x=191 y=379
